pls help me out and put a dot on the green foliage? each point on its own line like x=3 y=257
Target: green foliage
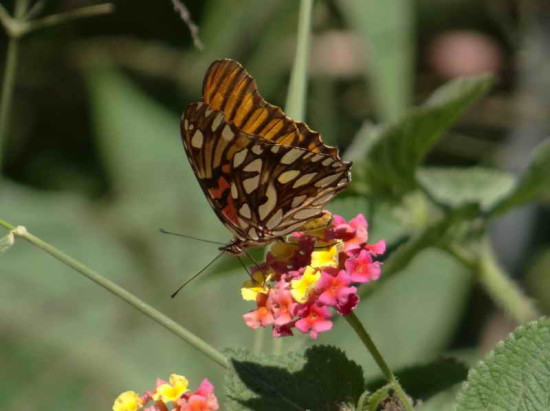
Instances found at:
x=456 y=187
x=58 y=318
x=321 y=378
x=412 y=316
x=398 y=149
x=432 y=235
x=386 y=29
x=514 y=376
x=423 y=381
x=534 y=183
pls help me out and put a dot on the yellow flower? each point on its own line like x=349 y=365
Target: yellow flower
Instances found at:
x=256 y=285
x=173 y=390
x=302 y=287
x=326 y=257
x=282 y=251
x=128 y=401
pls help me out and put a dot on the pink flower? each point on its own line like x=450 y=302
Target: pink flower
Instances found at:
x=281 y=304
x=170 y=396
x=346 y=306
x=312 y=271
x=261 y=316
x=362 y=268
x=354 y=233
x=201 y=400
x=378 y=248
x=314 y=320
x=333 y=288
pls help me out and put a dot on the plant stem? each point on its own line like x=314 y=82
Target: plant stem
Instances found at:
x=131 y=299
x=61 y=18
x=296 y=97
x=503 y=290
x=377 y=356
x=8 y=85
x=17 y=27
x=21 y=7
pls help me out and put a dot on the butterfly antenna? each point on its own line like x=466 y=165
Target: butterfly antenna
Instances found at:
x=196 y=275
x=163 y=231
x=252 y=259
x=244 y=266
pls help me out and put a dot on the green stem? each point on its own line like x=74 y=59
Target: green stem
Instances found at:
x=17 y=27
x=61 y=18
x=503 y=290
x=8 y=85
x=377 y=356
x=21 y=7
x=131 y=299
x=296 y=97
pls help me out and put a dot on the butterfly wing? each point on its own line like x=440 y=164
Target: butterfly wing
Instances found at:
x=229 y=88
x=259 y=189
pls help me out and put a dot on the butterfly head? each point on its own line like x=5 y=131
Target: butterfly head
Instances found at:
x=235 y=247
x=261 y=235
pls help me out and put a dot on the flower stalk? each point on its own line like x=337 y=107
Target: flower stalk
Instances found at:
x=120 y=292
x=8 y=85
x=362 y=333
x=296 y=97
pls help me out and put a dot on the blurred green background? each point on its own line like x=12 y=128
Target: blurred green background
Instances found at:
x=94 y=165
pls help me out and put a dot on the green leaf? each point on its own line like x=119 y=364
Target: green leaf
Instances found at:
x=514 y=376
x=391 y=163
x=386 y=29
x=424 y=381
x=430 y=236
x=138 y=139
x=81 y=314
x=534 y=182
x=456 y=187
x=321 y=378
x=366 y=137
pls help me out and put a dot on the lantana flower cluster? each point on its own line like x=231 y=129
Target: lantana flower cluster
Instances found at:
x=311 y=274
x=173 y=395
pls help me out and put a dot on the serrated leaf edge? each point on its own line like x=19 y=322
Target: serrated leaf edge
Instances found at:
x=500 y=345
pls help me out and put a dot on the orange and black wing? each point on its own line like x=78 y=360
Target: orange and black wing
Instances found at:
x=259 y=189
x=229 y=88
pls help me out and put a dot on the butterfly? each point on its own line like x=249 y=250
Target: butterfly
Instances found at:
x=264 y=174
